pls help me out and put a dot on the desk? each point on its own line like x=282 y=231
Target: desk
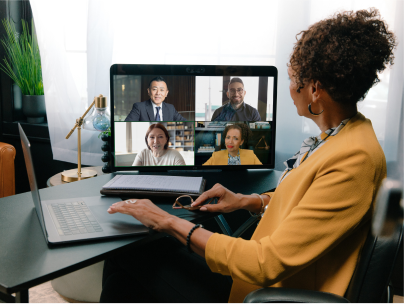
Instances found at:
x=26 y=260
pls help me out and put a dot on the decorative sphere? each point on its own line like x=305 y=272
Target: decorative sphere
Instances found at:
x=105 y=147
x=105 y=157
x=104 y=137
x=101 y=123
x=106 y=168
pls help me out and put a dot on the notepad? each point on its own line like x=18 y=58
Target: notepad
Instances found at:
x=156 y=183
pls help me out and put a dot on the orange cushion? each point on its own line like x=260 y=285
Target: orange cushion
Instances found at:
x=7 y=172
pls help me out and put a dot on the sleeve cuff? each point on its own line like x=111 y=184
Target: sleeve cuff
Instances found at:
x=215 y=252
x=270 y=194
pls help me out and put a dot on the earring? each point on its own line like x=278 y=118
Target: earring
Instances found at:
x=314 y=114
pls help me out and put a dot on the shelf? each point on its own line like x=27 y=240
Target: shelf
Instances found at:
x=203 y=153
x=221 y=129
x=209 y=129
x=34 y=132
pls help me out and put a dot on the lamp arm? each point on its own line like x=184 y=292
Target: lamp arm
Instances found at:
x=80 y=121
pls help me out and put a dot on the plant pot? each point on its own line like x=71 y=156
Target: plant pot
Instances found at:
x=33 y=107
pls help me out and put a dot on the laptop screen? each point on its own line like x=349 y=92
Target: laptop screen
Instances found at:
x=179 y=117
x=26 y=148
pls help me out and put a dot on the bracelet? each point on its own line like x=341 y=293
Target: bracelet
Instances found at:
x=189 y=236
x=262 y=207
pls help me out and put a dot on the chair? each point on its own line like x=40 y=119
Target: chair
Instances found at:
x=371 y=278
x=7 y=171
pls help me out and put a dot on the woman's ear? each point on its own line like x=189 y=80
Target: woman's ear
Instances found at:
x=316 y=90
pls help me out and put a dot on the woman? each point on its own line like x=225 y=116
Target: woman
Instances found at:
x=234 y=137
x=157 y=152
x=315 y=223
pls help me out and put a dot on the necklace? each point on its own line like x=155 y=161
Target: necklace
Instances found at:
x=312 y=148
x=315 y=145
x=229 y=156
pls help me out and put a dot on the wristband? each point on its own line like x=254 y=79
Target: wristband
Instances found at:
x=262 y=207
x=189 y=236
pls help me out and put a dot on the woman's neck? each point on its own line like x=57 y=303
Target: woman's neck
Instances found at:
x=234 y=153
x=332 y=117
x=159 y=153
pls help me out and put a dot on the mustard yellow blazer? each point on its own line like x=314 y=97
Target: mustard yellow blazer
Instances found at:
x=247 y=157
x=316 y=223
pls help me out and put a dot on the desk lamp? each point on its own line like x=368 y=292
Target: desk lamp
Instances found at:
x=98 y=120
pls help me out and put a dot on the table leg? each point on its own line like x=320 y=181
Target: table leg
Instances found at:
x=6 y=298
x=221 y=221
x=22 y=296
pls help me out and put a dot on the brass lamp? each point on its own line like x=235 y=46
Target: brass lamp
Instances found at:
x=100 y=103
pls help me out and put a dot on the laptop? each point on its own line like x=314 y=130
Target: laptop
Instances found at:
x=80 y=218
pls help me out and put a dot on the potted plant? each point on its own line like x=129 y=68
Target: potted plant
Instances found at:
x=23 y=65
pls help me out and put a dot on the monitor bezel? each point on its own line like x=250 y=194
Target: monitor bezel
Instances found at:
x=192 y=70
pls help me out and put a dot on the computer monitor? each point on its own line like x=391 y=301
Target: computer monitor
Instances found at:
x=186 y=117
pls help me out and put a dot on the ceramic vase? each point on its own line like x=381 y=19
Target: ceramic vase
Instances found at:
x=33 y=107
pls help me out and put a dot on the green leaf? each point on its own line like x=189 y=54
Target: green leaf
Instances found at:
x=22 y=62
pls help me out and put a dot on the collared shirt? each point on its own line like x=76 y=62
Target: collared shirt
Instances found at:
x=244 y=113
x=309 y=146
x=155 y=110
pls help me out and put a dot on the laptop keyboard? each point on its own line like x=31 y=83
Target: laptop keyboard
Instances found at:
x=74 y=218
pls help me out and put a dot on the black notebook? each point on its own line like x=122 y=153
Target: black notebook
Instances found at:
x=153 y=185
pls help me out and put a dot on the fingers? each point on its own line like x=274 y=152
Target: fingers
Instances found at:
x=118 y=207
x=216 y=191
x=213 y=208
x=123 y=206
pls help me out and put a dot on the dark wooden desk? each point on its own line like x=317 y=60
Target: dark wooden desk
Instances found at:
x=26 y=260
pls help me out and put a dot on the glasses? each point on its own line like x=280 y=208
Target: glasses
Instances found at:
x=185 y=201
x=238 y=91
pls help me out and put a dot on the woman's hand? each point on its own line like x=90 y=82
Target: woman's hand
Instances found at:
x=144 y=211
x=157 y=219
x=228 y=201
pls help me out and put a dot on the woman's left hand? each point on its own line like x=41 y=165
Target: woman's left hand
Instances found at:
x=144 y=211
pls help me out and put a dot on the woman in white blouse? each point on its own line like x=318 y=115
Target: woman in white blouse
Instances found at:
x=157 y=152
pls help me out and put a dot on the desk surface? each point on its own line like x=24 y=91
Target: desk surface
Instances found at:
x=25 y=258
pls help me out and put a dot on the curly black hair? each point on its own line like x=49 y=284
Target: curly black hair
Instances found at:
x=242 y=127
x=344 y=53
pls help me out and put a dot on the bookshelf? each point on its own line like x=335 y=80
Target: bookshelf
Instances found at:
x=181 y=135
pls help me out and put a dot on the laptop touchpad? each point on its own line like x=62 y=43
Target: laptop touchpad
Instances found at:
x=103 y=217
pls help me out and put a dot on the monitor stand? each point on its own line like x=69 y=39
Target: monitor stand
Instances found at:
x=196 y=171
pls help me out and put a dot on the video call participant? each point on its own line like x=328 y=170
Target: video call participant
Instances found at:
x=236 y=109
x=155 y=109
x=157 y=152
x=234 y=137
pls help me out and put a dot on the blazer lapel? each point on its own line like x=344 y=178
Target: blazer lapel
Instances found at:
x=224 y=158
x=149 y=110
x=245 y=158
x=166 y=112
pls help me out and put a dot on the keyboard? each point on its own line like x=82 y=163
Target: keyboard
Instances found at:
x=73 y=218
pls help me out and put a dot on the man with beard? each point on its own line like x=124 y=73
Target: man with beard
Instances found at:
x=236 y=109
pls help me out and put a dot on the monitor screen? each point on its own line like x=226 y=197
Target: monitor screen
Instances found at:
x=182 y=117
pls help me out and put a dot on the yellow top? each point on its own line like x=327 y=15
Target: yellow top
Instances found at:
x=316 y=223
x=247 y=157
